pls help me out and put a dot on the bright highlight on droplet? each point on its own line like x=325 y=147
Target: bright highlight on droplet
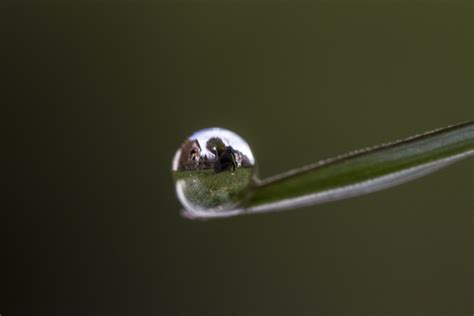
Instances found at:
x=213 y=170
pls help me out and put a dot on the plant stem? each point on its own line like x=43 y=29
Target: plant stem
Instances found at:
x=356 y=173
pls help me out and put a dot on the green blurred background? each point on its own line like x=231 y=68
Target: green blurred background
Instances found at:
x=97 y=98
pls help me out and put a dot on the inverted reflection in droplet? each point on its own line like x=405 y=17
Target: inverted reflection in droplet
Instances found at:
x=213 y=170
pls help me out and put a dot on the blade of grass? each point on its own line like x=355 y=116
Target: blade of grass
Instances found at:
x=359 y=172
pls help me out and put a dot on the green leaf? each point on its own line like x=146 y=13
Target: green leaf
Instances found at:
x=359 y=172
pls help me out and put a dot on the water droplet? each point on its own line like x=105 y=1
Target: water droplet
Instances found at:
x=213 y=170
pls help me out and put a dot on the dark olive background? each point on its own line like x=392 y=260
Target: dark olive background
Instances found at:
x=97 y=97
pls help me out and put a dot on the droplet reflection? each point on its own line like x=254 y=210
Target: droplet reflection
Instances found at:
x=213 y=170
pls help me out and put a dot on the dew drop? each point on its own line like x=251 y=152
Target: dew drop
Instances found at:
x=213 y=170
